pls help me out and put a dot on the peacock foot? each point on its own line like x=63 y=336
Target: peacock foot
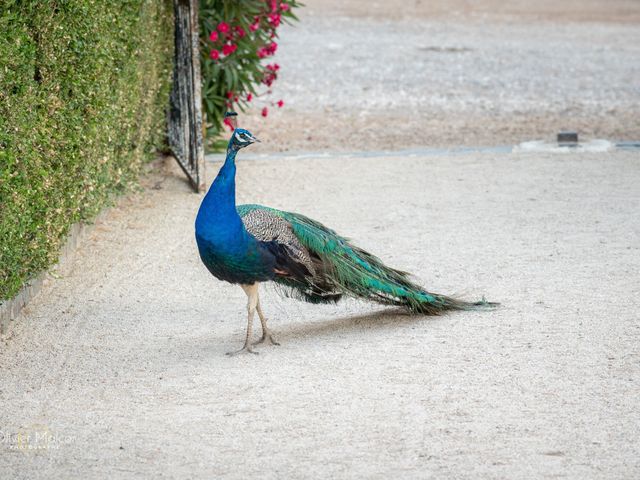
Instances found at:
x=267 y=337
x=245 y=349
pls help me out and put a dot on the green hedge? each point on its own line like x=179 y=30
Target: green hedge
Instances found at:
x=84 y=86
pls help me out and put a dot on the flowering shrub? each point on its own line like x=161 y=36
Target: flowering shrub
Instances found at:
x=237 y=41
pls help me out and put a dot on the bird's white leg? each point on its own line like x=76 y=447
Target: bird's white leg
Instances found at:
x=252 y=303
x=267 y=335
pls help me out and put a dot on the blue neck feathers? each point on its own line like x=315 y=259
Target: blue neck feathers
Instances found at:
x=217 y=219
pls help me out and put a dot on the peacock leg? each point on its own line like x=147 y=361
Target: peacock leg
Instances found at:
x=267 y=335
x=252 y=303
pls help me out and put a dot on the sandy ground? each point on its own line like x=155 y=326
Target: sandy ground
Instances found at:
x=364 y=75
x=117 y=369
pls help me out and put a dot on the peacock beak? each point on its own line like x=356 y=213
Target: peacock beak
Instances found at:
x=255 y=139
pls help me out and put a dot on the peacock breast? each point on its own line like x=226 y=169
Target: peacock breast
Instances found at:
x=239 y=261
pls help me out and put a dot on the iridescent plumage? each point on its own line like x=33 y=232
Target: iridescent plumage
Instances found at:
x=249 y=244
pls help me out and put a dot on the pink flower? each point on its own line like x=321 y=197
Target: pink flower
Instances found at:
x=274 y=19
x=265 y=112
x=280 y=103
x=223 y=27
x=274 y=5
x=268 y=50
x=249 y=97
x=214 y=36
x=228 y=49
x=284 y=7
x=240 y=32
x=229 y=94
x=254 y=26
x=269 y=75
x=228 y=123
x=214 y=54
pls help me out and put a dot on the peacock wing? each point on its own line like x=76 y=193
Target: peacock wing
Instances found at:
x=303 y=273
x=324 y=244
x=277 y=235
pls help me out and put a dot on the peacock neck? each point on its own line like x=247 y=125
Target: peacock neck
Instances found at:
x=218 y=209
x=221 y=196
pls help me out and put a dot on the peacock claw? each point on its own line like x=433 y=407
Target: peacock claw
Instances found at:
x=245 y=349
x=267 y=337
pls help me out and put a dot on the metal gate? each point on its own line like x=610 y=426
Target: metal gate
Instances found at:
x=185 y=111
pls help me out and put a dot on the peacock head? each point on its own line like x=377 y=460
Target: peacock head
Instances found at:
x=241 y=138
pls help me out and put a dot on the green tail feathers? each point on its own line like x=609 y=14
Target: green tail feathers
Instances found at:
x=363 y=275
x=345 y=269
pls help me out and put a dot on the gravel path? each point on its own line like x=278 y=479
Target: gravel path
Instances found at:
x=117 y=369
x=367 y=76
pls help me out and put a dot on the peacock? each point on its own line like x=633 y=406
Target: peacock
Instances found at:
x=250 y=244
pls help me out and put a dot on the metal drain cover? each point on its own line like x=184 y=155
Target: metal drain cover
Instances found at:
x=568 y=139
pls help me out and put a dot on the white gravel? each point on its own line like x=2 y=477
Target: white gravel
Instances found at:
x=372 y=79
x=121 y=359
x=427 y=66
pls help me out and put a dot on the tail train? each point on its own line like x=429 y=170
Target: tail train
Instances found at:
x=345 y=269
